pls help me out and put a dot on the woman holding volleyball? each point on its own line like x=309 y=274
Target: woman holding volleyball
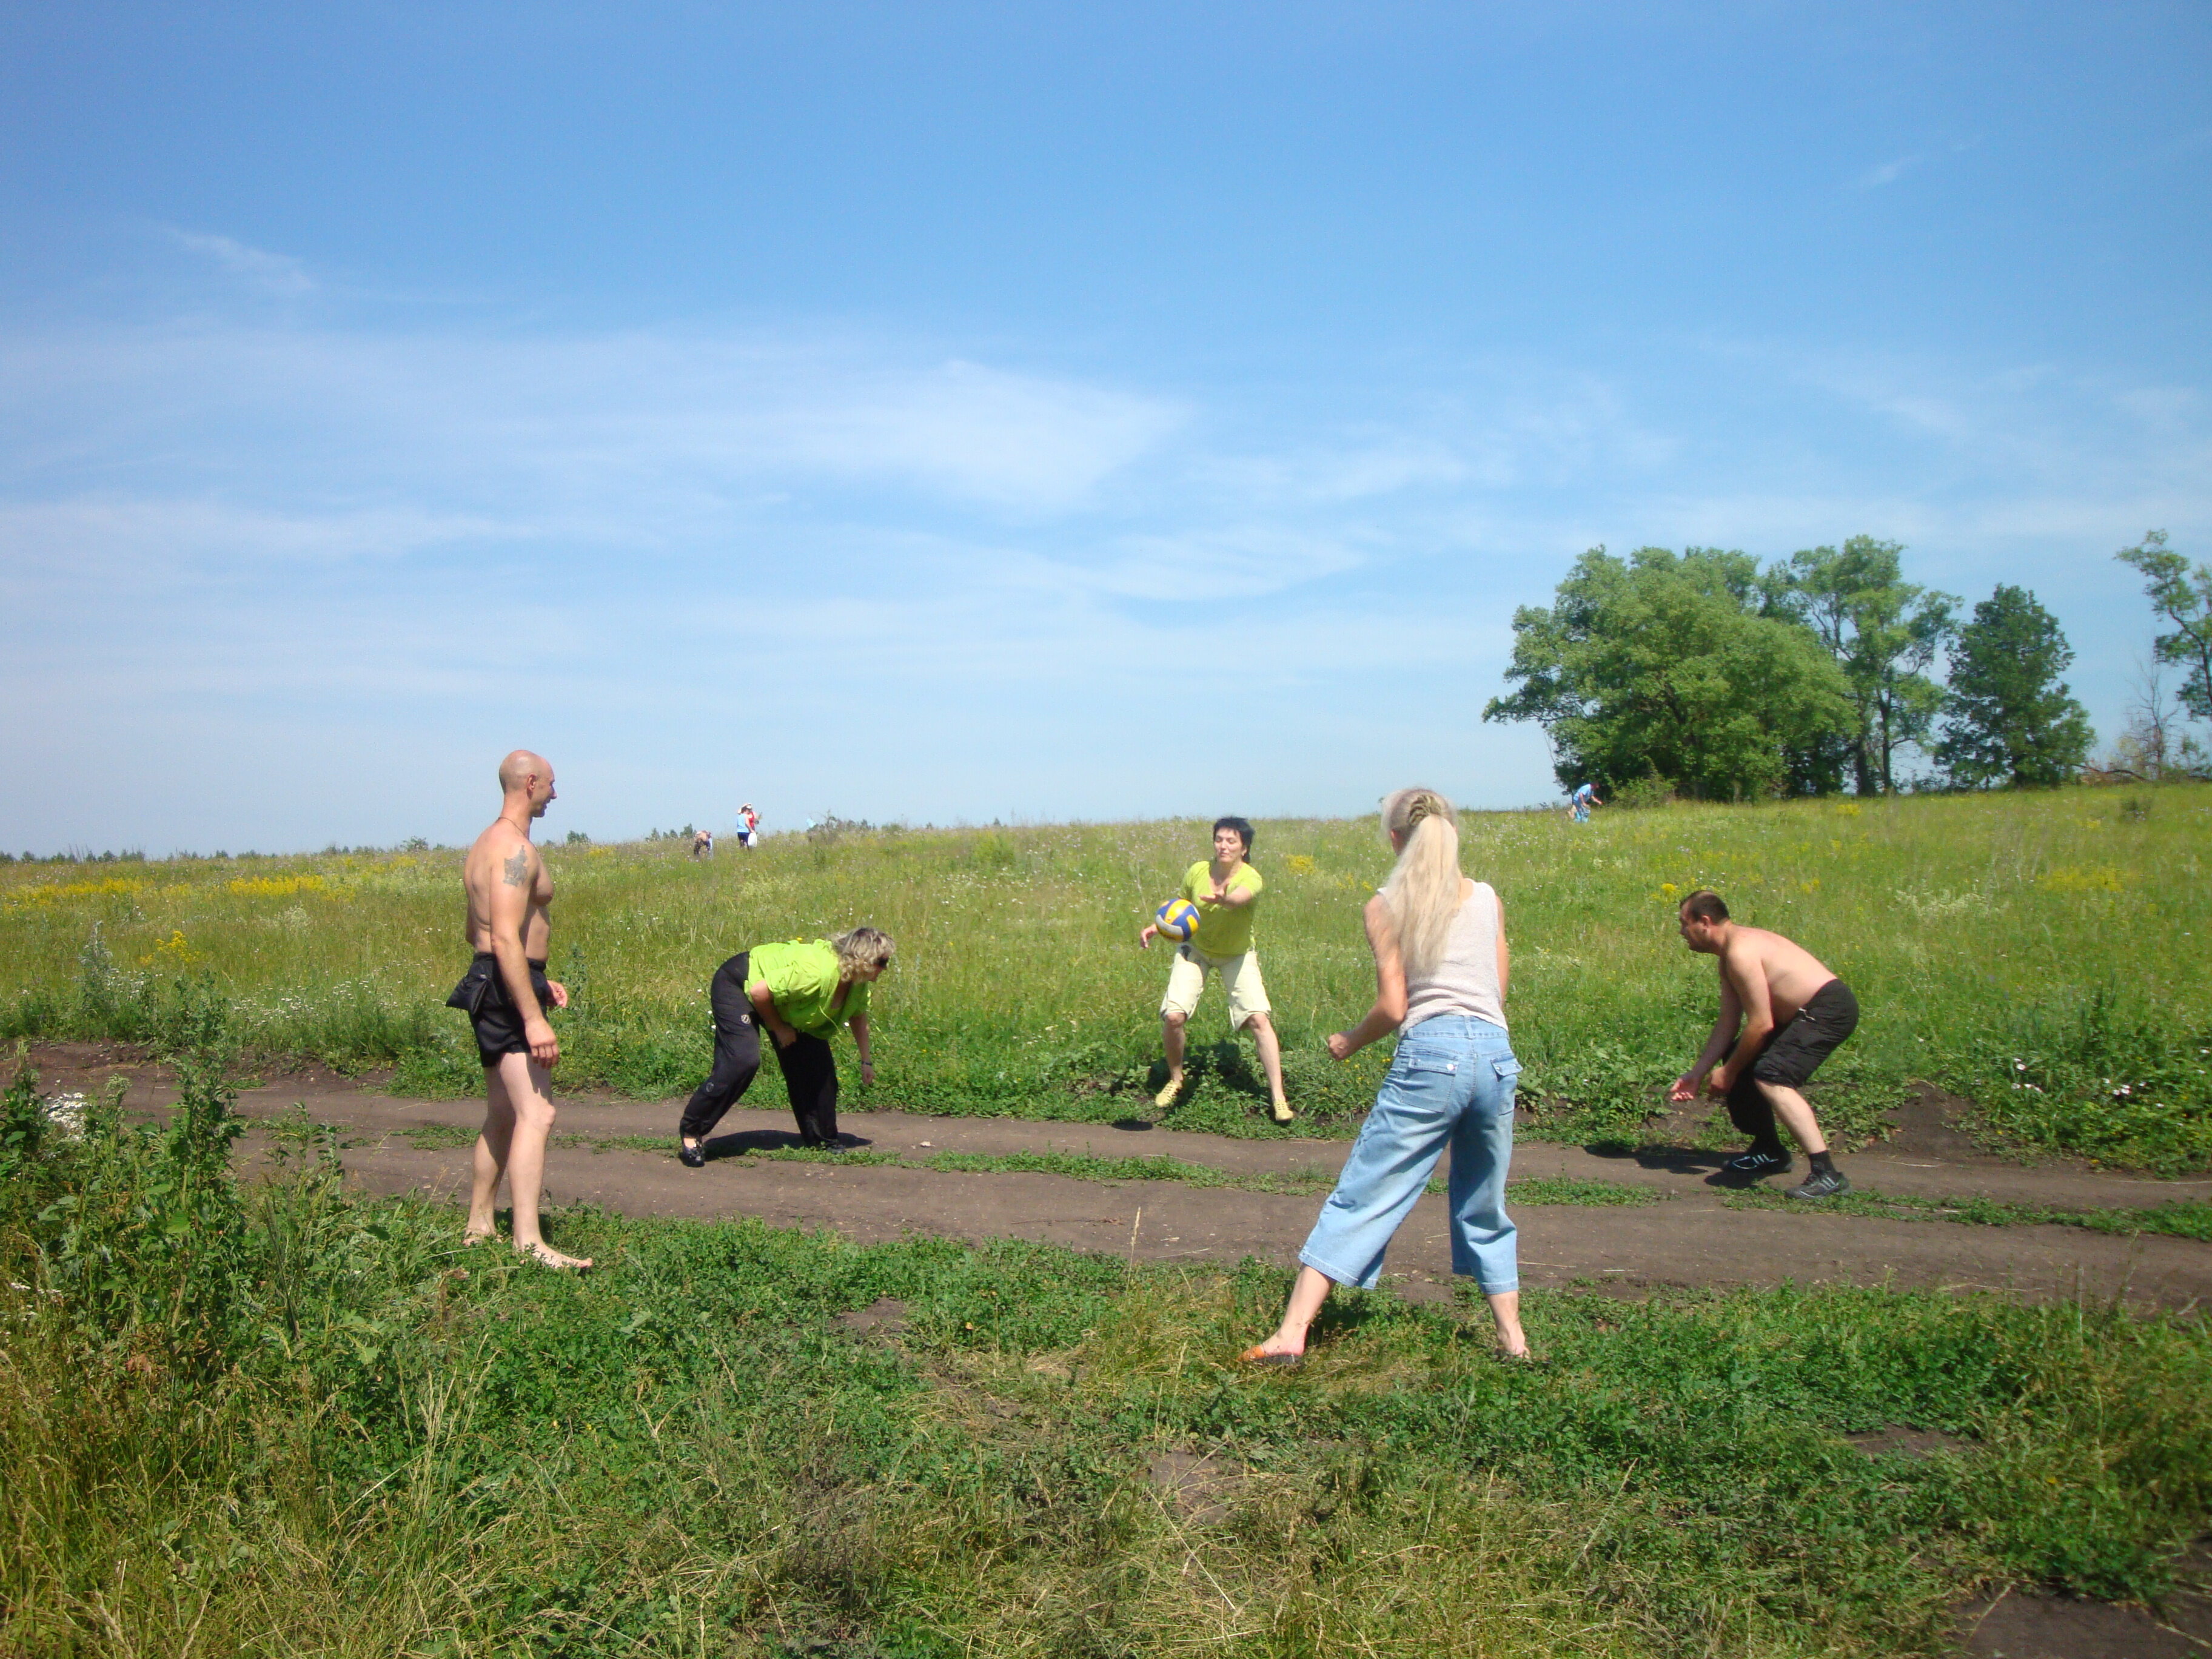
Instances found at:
x=1225 y=892
x=1440 y=974
x=802 y=992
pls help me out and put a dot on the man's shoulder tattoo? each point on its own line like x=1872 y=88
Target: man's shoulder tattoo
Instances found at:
x=517 y=869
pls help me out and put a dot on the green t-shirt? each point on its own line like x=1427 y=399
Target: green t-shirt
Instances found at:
x=1223 y=930
x=802 y=978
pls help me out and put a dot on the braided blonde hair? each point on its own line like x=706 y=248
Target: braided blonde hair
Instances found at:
x=1423 y=893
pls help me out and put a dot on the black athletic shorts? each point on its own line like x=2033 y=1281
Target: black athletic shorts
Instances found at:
x=482 y=994
x=1830 y=1015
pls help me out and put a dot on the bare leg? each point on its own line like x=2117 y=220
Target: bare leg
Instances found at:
x=1506 y=1308
x=490 y=1157
x=1271 y=1062
x=1796 y=1115
x=1171 y=1040
x=529 y=1086
x=1310 y=1291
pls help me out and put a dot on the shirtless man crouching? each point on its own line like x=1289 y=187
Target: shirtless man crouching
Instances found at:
x=506 y=993
x=1794 y=1013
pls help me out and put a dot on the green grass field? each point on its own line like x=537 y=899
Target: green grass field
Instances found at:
x=268 y=1418
x=2041 y=954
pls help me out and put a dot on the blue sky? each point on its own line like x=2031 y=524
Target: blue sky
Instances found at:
x=960 y=412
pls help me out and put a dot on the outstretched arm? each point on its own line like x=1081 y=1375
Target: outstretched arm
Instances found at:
x=1389 y=984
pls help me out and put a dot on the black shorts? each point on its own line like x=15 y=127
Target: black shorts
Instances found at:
x=484 y=996
x=1830 y=1015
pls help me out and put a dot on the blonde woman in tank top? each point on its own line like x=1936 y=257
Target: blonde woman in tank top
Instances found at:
x=1440 y=974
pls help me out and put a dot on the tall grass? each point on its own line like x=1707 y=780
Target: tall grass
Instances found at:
x=2036 y=953
x=272 y=1419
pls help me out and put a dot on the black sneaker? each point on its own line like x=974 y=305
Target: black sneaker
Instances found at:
x=691 y=1157
x=1757 y=1162
x=1822 y=1183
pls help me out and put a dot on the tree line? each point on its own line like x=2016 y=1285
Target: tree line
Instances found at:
x=1702 y=674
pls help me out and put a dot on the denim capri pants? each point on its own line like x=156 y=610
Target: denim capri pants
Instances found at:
x=1451 y=1084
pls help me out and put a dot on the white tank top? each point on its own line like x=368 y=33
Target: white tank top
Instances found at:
x=1465 y=980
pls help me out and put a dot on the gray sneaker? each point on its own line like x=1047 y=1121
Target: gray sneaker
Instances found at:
x=1822 y=1183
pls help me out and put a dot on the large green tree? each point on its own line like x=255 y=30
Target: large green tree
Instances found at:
x=2183 y=597
x=1681 y=669
x=2009 y=719
x=1884 y=633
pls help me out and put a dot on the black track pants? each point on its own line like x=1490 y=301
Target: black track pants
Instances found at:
x=810 y=1078
x=737 y=1050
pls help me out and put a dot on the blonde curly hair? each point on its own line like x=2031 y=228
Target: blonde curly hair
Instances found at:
x=862 y=947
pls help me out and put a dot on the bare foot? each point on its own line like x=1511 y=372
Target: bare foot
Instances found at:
x=472 y=1237
x=1166 y=1096
x=546 y=1256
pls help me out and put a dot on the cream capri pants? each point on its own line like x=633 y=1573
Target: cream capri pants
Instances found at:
x=1239 y=977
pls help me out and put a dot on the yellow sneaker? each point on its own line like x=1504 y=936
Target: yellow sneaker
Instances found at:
x=1283 y=1112
x=1166 y=1096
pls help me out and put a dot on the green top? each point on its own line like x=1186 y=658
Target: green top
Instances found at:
x=802 y=978
x=1223 y=930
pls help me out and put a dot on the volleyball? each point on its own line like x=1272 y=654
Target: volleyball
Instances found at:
x=1178 y=919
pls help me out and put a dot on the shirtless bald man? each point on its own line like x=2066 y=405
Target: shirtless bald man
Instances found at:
x=506 y=993
x=1794 y=1013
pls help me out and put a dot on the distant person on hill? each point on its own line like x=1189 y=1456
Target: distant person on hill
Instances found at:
x=802 y=992
x=1225 y=892
x=1579 y=803
x=702 y=844
x=1793 y=1014
x=507 y=993
x=748 y=826
x=1440 y=973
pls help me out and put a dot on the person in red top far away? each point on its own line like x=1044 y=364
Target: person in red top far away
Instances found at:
x=1793 y=1014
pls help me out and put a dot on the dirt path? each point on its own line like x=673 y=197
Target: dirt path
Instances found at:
x=1690 y=1238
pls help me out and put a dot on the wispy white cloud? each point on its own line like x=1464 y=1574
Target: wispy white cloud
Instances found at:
x=1230 y=565
x=649 y=547
x=278 y=275
x=139 y=538
x=1888 y=173
x=1361 y=466
x=550 y=426
x=1514 y=427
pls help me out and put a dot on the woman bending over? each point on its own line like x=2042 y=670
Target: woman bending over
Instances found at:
x=802 y=992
